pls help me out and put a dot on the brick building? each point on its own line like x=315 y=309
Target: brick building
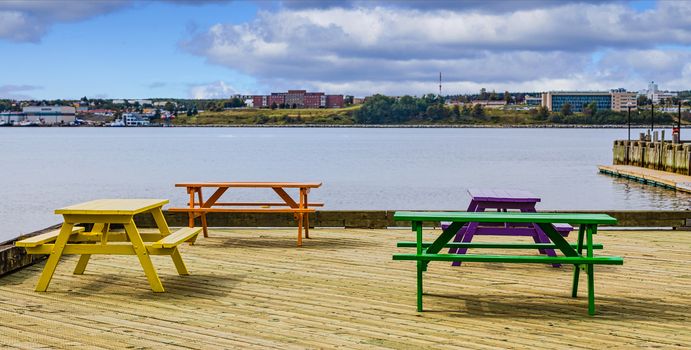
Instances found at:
x=334 y=101
x=298 y=99
x=314 y=100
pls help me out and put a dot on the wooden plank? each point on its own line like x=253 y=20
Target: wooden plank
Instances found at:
x=606 y=260
x=251 y=184
x=492 y=245
x=44 y=238
x=241 y=210
x=569 y=218
x=174 y=239
x=268 y=204
x=113 y=206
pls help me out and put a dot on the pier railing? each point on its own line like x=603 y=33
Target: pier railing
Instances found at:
x=665 y=156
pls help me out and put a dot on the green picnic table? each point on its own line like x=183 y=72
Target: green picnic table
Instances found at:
x=572 y=253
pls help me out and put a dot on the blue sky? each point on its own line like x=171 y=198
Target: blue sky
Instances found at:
x=183 y=48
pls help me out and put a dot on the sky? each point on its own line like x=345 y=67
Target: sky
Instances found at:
x=52 y=49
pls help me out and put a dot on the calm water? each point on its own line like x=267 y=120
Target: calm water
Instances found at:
x=47 y=168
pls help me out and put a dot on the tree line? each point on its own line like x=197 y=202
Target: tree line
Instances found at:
x=381 y=109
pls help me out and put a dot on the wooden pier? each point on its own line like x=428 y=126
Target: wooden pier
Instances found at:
x=653 y=177
x=251 y=289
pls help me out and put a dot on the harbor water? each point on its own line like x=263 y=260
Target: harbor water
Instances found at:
x=360 y=168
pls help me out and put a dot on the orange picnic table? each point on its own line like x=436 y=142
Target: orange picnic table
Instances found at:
x=300 y=207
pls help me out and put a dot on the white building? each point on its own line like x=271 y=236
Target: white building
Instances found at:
x=49 y=115
x=130 y=119
x=656 y=95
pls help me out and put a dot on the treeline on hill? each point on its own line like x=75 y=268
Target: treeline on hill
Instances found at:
x=430 y=109
x=380 y=109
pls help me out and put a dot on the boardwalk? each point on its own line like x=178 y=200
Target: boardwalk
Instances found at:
x=674 y=181
x=254 y=289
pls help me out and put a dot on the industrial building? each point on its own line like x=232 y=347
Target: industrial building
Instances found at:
x=49 y=115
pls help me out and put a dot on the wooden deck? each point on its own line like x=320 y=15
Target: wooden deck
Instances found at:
x=253 y=289
x=653 y=177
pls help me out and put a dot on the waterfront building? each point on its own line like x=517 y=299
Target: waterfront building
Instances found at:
x=621 y=99
x=49 y=115
x=555 y=100
x=131 y=119
x=616 y=100
x=298 y=99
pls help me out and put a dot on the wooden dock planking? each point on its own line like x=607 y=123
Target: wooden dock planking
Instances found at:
x=253 y=289
x=654 y=177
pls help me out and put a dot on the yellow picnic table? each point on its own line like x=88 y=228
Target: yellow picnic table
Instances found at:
x=100 y=240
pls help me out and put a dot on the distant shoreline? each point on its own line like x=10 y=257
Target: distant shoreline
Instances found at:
x=382 y=126
x=440 y=126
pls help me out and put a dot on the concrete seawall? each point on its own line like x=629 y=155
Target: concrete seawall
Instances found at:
x=13 y=258
x=665 y=156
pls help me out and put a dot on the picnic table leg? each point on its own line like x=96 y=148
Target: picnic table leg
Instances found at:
x=467 y=237
x=577 y=268
x=419 y=285
x=300 y=230
x=417 y=227
x=84 y=258
x=54 y=257
x=143 y=255
x=303 y=204
x=591 y=270
x=472 y=207
x=190 y=222
x=457 y=239
x=540 y=236
x=163 y=228
x=179 y=264
x=205 y=230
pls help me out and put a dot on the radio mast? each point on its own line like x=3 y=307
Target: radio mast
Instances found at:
x=439 y=83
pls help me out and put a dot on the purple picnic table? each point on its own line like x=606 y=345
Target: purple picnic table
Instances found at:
x=503 y=200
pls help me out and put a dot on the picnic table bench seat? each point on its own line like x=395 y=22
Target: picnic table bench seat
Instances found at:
x=572 y=253
x=43 y=238
x=176 y=238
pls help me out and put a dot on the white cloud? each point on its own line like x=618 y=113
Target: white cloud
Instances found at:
x=17 y=92
x=29 y=20
x=401 y=50
x=217 y=89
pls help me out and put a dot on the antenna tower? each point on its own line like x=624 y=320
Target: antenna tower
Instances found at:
x=439 y=83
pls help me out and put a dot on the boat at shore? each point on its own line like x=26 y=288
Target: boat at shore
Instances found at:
x=29 y=123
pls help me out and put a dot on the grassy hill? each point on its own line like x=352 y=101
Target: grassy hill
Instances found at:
x=342 y=116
